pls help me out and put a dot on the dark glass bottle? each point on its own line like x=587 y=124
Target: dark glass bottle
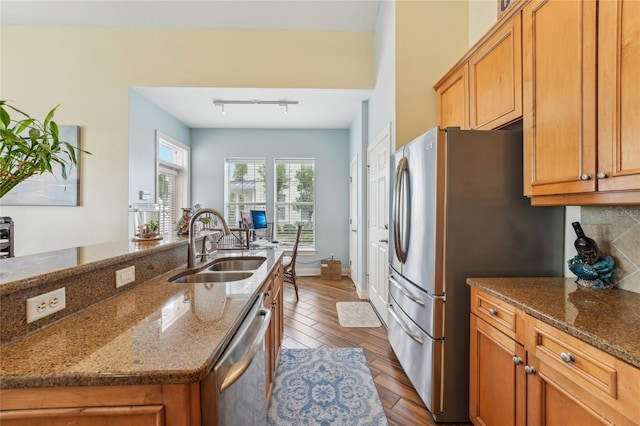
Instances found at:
x=586 y=247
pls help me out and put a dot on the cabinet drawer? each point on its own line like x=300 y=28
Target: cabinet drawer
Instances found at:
x=608 y=385
x=499 y=314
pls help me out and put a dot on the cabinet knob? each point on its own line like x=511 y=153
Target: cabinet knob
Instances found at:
x=567 y=357
x=529 y=370
x=602 y=175
x=517 y=360
x=585 y=177
x=493 y=312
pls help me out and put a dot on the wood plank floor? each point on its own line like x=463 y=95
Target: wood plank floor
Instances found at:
x=312 y=322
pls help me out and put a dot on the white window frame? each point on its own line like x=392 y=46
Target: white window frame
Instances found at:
x=258 y=204
x=276 y=203
x=180 y=166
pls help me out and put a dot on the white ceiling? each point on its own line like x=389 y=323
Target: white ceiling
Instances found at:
x=317 y=108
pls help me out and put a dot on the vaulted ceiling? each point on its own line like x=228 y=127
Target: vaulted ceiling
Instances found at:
x=317 y=108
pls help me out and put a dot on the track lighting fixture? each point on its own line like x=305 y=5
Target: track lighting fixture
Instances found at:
x=285 y=104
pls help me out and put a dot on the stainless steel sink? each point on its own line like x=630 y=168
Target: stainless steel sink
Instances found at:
x=226 y=269
x=211 y=277
x=246 y=264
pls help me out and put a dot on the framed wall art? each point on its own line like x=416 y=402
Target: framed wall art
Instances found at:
x=49 y=189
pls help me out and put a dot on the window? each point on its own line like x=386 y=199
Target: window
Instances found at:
x=295 y=200
x=245 y=187
x=172 y=180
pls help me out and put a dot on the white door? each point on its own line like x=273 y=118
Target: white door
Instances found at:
x=353 y=221
x=378 y=158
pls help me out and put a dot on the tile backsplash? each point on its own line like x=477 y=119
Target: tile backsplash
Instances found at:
x=616 y=229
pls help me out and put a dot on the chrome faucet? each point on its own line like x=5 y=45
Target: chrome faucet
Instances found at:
x=191 y=257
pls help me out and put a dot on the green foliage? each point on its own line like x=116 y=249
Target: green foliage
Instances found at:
x=30 y=147
x=282 y=181
x=305 y=177
x=239 y=172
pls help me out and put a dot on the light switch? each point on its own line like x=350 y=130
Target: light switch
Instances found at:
x=125 y=276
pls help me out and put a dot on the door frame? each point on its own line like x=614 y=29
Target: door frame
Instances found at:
x=354 y=221
x=385 y=133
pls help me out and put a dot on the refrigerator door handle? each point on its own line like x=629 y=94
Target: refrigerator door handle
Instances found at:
x=404 y=327
x=406 y=292
x=400 y=238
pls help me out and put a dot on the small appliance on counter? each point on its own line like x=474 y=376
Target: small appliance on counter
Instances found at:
x=458 y=211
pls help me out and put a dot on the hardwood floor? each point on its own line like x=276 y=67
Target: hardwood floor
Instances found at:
x=312 y=322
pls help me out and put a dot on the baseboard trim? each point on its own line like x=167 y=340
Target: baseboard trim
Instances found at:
x=315 y=272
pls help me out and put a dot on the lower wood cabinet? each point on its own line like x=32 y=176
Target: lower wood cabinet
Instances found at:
x=497 y=381
x=273 y=340
x=549 y=402
x=144 y=405
x=525 y=372
x=102 y=405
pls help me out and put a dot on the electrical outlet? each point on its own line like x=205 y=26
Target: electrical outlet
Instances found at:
x=125 y=276
x=45 y=304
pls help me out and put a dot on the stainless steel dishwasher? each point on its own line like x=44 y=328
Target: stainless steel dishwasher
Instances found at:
x=241 y=372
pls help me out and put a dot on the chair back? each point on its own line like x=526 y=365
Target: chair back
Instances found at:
x=294 y=252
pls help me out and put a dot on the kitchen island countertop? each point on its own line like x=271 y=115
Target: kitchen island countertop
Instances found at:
x=156 y=333
x=608 y=319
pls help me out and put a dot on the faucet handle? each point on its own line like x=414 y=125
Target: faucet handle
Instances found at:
x=209 y=245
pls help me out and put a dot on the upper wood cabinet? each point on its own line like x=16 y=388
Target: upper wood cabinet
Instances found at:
x=559 y=91
x=580 y=94
x=453 y=99
x=618 y=96
x=495 y=78
x=484 y=89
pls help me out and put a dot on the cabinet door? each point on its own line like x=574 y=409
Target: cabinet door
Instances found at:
x=495 y=79
x=145 y=415
x=618 y=97
x=278 y=311
x=269 y=338
x=559 y=96
x=497 y=381
x=453 y=99
x=549 y=405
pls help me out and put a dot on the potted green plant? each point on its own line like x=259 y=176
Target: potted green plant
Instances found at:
x=30 y=147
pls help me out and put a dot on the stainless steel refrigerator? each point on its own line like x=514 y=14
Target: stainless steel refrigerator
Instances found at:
x=457 y=211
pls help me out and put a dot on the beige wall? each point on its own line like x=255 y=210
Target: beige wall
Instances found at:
x=430 y=37
x=482 y=15
x=89 y=71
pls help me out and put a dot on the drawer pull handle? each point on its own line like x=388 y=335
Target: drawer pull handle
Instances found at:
x=529 y=370
x=493 y=312
x=567 y=357
x=517 y=360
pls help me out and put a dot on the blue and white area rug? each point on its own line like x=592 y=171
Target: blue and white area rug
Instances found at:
x=324 y=387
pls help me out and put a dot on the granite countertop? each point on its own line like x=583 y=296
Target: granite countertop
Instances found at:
x=608 y=319
x=156 y=333
x=18 y=273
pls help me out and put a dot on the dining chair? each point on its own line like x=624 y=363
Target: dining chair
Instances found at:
x=290 y=264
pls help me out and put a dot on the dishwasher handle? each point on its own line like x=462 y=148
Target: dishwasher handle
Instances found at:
x=238 y=369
